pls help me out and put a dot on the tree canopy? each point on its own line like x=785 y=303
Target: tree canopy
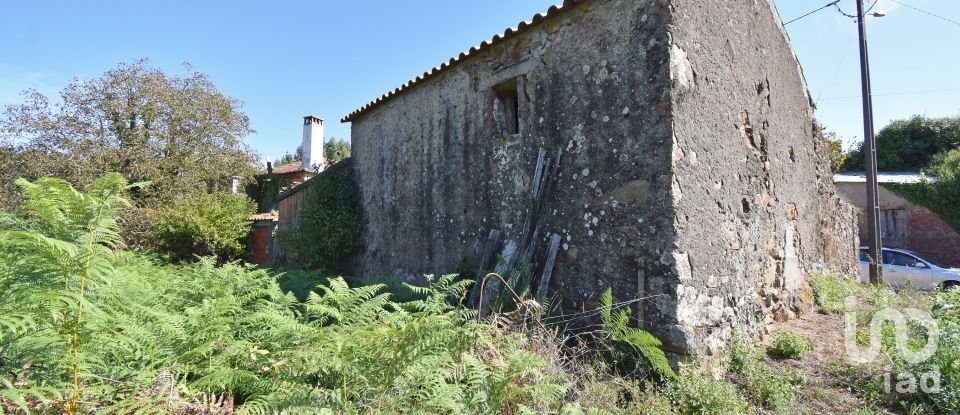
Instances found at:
x=178 y=132
x=910 y=144
x=336 y=150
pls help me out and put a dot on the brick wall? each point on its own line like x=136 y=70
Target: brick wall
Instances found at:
x=923 y=231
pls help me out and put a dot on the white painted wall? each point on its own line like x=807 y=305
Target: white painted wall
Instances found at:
x=312 y=143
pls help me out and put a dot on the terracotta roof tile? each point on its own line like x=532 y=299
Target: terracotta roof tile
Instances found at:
x=289 y=168
x=508 y=34
x=263 y=217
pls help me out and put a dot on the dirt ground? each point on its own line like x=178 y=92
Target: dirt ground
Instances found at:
x=822 y=394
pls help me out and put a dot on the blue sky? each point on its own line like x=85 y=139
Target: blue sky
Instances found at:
x=288 y=59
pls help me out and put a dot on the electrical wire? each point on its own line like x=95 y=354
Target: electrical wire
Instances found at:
x=926 y=12
x=824 y=7
x=932 y=91
x=853 y=16
x=836 y=73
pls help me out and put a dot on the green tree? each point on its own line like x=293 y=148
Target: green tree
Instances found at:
x=178 y=132
x=291 y=158
x=336 y=150
x=911 y=144
x=838 y=158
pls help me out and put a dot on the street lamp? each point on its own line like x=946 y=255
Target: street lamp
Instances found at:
x=870 y=153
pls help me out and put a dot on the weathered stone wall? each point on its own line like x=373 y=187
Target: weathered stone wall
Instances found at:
x=756 y=211
x=692 y=172
x=437 y=173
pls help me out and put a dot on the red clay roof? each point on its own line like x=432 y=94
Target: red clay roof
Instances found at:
x=508 y=34
x=259 y=217
x=289 y=168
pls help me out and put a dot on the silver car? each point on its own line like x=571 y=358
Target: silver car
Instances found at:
x=902 y=268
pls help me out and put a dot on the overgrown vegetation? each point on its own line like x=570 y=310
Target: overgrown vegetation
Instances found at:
x=177 y=131
x=831 y=293
x=893 y=380
x=625 y=344
x=790 y=345
x=330 y=223
x=763 y=385
x=204 y=224
x=910 y=144
x=264 y=189
x=85 y=327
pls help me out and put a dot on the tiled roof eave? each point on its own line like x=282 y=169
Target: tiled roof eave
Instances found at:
x=508 y=34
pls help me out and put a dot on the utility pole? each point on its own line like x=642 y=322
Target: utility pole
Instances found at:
x=870 y=153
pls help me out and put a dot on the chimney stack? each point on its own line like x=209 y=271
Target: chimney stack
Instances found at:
x=312 y=143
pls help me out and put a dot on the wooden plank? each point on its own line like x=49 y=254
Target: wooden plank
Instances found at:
x=548 y=268
x=486 y=258
x=492 y=287
x=538 y=174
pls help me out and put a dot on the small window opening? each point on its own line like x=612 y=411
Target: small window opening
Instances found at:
x=507 y=107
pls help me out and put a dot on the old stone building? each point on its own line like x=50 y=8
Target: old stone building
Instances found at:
x=691 y=173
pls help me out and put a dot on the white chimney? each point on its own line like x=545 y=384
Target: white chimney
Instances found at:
x=312 y=143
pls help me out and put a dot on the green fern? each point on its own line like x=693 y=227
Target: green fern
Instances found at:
x=623 y=339
x=224 y=338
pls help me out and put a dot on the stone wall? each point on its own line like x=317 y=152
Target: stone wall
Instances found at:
x=437 y=171
x=692 y=177
x=756 y=211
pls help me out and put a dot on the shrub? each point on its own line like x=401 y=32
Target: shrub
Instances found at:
x=767 y=387
x=831 y=292
x=330 y=222
x=790 y=345
x=741 y=355
x=761 y=384
x=695 y=394
x=204 y=224
x=946 y=313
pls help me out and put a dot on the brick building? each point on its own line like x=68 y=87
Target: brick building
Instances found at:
x=903 y=224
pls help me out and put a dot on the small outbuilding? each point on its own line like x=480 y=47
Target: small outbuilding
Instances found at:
x=903 y=224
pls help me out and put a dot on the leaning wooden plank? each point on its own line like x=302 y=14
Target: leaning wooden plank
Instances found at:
x=491 y=287
x=486 y=260
x=538 y=172
x=548 y=268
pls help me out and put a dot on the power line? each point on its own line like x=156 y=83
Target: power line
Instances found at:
x=933 y=91
x=853 y=16
x=824 y=7
x=836 y=73
x=926 y=12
